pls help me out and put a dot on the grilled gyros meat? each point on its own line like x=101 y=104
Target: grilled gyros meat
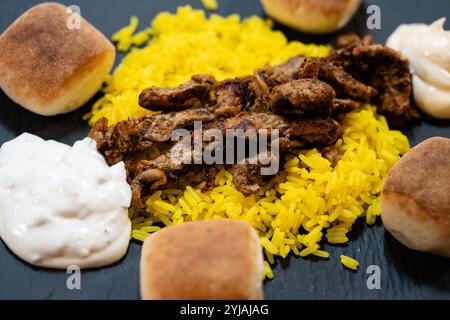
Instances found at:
x=291 y=133
x=231 y=97
x=301 y=99
x=137 y=135
x=304 y=97
x=384 y=69
x=196 y=92
x=288 y=71
x=342 y=82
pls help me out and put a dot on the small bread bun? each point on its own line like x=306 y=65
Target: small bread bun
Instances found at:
x=415 y=202
x=203 y=260
x=312 y=16
x=48 y=68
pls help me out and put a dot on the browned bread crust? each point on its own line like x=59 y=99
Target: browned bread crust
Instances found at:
x=415 y=203
x=42 y=60
x=327 y=7
x=424 y=175
x=214 y=259
x=312 y=16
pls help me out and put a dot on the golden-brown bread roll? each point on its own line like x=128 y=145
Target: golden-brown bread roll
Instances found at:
x=415 y=202
x=48 y=68
x=312 y=16
x=213 y=259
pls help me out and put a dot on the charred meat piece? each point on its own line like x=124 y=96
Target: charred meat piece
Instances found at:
x=118 y=140
x=177 y=160
x=230 y=97
x=249 y=94
x=316 y=131
x=288 y=71
x=352 y=39
x=385 y=70
x=247 y=177
x=343 y=106
x=127 y=137
x=160 y=127
x=342 y=82
x=196 y=92
x=169 y=162
x=331 y=153
x=261 y=83
x=305 y=97
x=245 y=121
x=258 y=94
x=209 y=174
x=320 y=131
x=155 y=176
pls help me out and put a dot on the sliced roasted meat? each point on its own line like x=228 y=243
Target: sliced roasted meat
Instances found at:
x=331 y=153
x=209 y=174
x=160 y=127
x=342 y=82
x=231 y=97
x=252 y=93
x=247 y=177
x=258 y=97
x=196 y=92
x=168 y=162
x=118 y=140
x=315 y=131
x=320 y=131
x=288 y=71
x=304 y=97
x=343 y=106
x=137 y=135
x=245 y=121
x=298 y=99
x=352 y=39
x=385 y=70
x=151 y=176
x=177 y=160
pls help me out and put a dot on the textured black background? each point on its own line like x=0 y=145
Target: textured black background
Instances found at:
x=404 y=274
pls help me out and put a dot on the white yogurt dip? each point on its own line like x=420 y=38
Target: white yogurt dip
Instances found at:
x=428 y=49
x=62 y=205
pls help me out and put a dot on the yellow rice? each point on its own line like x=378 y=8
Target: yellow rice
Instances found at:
x=309 y=202
x=211 y=5
x=349 y=262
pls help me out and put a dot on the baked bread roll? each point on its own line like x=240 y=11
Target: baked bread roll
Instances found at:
x=415 y=202
x=312 y=16
x=49 y=69
x=203 y=260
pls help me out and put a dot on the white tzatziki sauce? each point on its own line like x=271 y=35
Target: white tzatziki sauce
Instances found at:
x=62 y=205
x=428 y=49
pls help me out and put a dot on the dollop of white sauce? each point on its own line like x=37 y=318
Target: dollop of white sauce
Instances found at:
x=428 y=49
x=62 y=205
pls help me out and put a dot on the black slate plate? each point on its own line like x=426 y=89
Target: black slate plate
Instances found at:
x=404 y=274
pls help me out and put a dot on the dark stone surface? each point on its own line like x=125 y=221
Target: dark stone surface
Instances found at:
x=404 y=274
